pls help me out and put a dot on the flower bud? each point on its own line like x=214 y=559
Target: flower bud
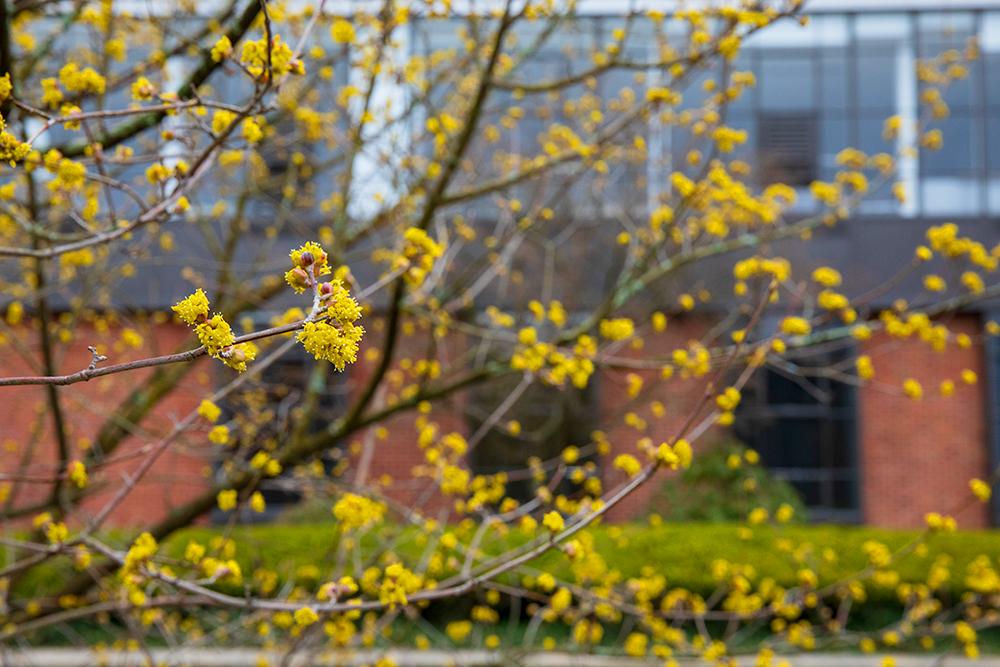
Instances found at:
x=306 y=259
x=298 y=278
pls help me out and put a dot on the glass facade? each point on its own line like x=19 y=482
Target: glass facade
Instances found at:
x=853 y=70
x=837 y=79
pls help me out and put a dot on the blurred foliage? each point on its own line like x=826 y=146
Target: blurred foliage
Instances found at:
x=725 y=483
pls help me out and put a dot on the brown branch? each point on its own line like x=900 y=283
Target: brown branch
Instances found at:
x=189 y=355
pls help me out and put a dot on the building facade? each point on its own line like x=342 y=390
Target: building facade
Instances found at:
x=855 y=454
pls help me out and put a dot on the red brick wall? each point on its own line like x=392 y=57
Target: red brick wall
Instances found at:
x=394 y=452
x=915 y=456
x=918 y=456
x=179 y=473
x=679 y=396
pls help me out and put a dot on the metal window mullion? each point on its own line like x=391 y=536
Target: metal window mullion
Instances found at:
x=853 y=111
x=979 y=116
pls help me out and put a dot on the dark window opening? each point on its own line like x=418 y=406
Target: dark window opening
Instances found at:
x=803 y=422
x=786 y=147
x=551 y=420
x=992 y=353
x=268 y=414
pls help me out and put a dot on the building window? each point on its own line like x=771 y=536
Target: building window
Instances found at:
x=269 y=412
x=550 y=421
x=991 y=348
x=804 y=425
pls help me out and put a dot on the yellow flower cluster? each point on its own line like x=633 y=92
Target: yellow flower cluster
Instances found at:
x=454 y=480
x=227 y=499
x=826 y=276
x=723 y=201
x=193 y=309
x=354 y=511
x=695 y=361
x=827 y=193
x=417 y=255
x=554 y=522
x=618 y=328
x=628 y=464
x=777 y=268
x=305 y=616
x=255 y=58
x=334 y=336
x=727 y=402
x=221 y=120
x=52 y=95
x=55 y=531
x=309 y=261
x=219 y=435
x=397 y=584
x=263 y=461
x=222 y=49
x=209 y=410
x=12 y=150
x=795 y=326
x=935 y=334
x=70 y=176
x=143 y=89
x=913 y=389
x=727 y=138
x=141 y=551
x=214 y=333
x=980 y=489
x=342 y=31
x=866 y=370
x=77 y=473
x=458 y=631
x=940 y=522
x=554 y=365
x=677 y=456
x=85 y=80
x=944 y=239
x=487 y=490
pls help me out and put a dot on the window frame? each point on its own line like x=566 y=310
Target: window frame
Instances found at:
x=756 y=413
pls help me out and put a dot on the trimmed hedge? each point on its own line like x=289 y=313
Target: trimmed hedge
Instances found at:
x=682 y=552
x=307 y=553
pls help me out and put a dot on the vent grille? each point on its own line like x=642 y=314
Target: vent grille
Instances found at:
x=786 y=148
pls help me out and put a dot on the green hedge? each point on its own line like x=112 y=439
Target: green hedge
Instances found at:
x=682 y=552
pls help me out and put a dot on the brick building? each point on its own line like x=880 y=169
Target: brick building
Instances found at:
x=855 y=454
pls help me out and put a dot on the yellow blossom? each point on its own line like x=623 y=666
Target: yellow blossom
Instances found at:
x=795 y=326
x=617 y=329
x=305 y=616
x=222 y=49
x=219 y=435
x=554 y=522
x=226 y=500
x=192 y=309
x=209 y=410
x=980 y=489
x=342 y=31
x=77 y=474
